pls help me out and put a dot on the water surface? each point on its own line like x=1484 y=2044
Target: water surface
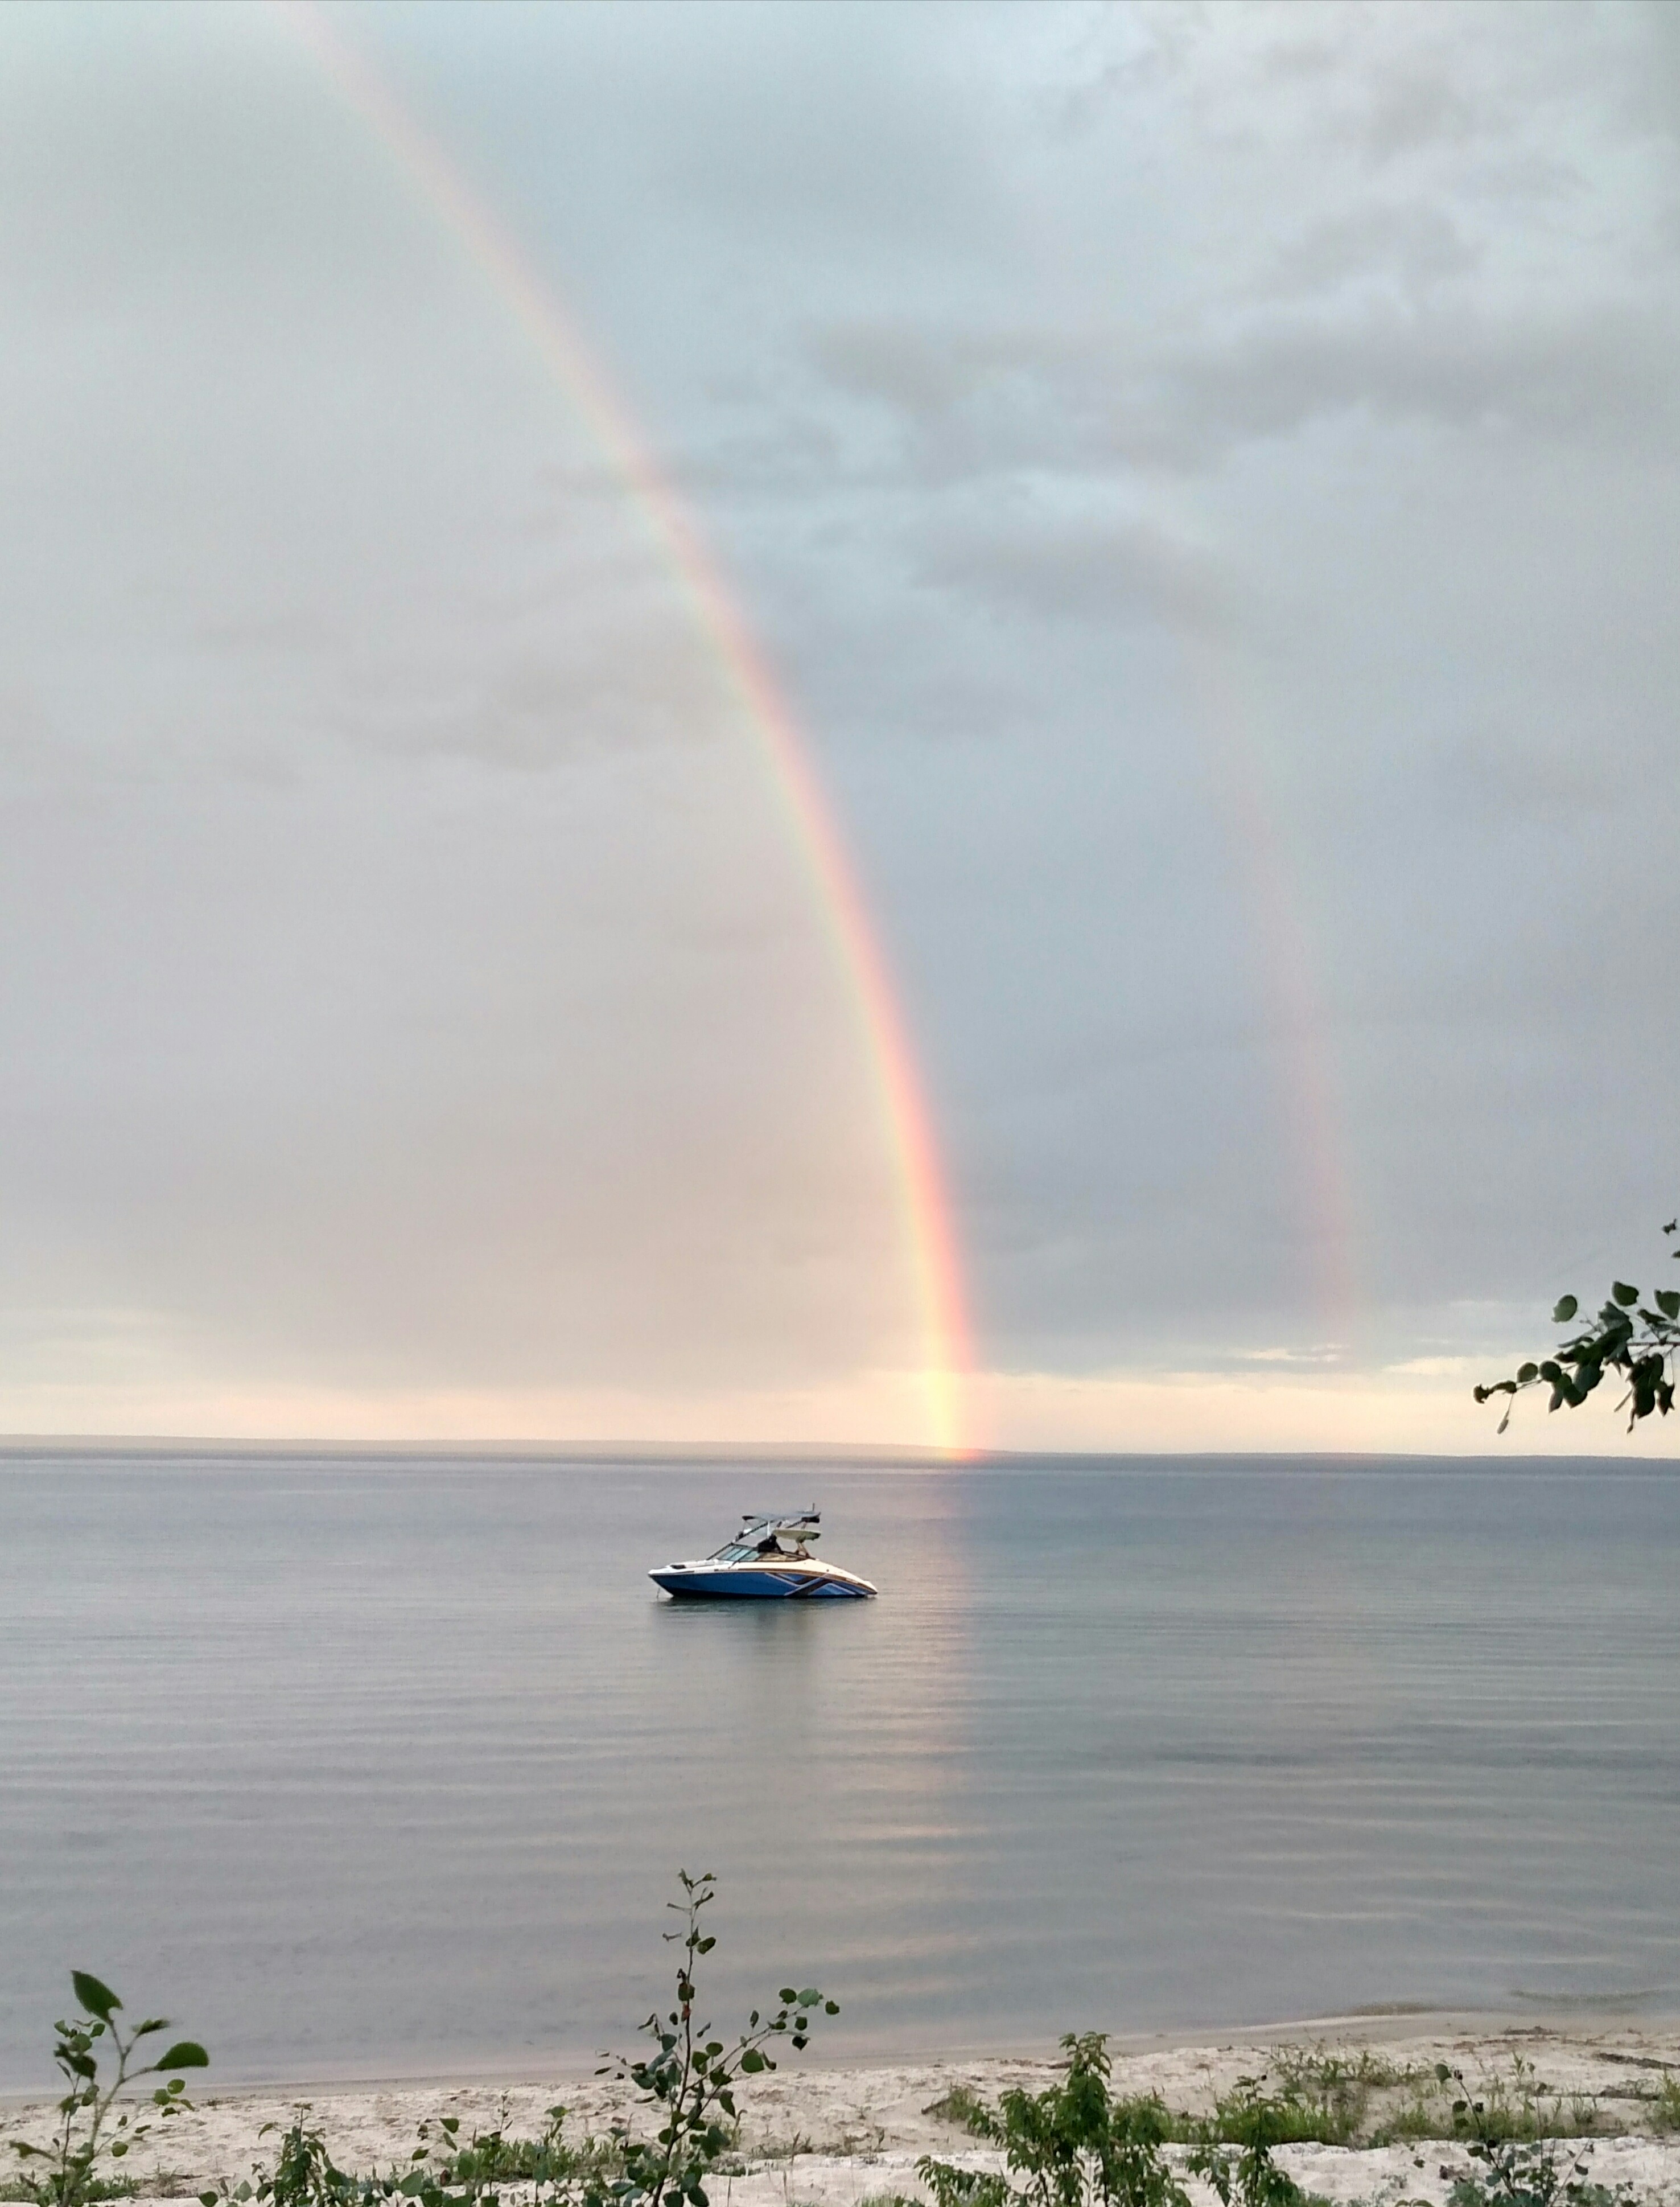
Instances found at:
x=380 y=1765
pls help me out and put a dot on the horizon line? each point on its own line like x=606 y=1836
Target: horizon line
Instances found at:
x=838 y=1456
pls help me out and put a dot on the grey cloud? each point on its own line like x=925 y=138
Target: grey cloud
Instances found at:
x=1414 y=105
x=1004 y=400
x=1080 y=567
x=1357 y=81
x=1417 y=246
x=1606 y=373
x=635 y=686
x=1507 y=775
x=918 y=372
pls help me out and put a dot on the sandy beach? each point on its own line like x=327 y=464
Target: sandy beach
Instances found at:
x=838 y=2137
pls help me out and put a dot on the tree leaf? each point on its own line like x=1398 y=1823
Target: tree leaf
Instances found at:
x=1525 y=1373
x=185 y=2053
x=1668 y=1301
x=97 y=1999
x=1624 y=1293
x=1566 y=1309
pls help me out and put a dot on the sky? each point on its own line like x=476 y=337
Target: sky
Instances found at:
x=1205 y=480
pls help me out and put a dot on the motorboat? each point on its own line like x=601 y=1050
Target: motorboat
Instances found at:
x=769 y=1559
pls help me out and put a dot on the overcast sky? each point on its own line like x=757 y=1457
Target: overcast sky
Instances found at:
x=1208 y=479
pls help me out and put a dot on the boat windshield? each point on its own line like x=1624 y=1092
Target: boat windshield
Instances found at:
x=770 y=1536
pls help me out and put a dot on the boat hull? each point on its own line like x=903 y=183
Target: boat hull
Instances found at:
x=788 y=1581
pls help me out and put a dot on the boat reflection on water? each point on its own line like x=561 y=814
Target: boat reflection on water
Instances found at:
x=769 y=1559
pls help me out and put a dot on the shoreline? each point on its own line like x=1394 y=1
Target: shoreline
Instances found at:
x=842 y=2133
x=1403 y=2023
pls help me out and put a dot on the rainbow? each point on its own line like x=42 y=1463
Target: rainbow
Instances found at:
x=1285 y=972
x=717 y=614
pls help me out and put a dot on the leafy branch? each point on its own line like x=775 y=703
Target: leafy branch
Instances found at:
x=690 y=2077
x=68 y=2171
x=1626 y=1335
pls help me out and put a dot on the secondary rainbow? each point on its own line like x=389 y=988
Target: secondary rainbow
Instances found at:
x=717 y=613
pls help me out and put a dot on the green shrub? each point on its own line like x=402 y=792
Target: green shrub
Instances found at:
x=1071 y=2145
x=1233 y=2152
x=1284 y=2118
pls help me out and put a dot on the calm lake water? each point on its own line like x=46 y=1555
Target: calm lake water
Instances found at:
x=375 y=1765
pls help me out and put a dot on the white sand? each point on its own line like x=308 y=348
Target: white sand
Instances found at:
x=836 y=2136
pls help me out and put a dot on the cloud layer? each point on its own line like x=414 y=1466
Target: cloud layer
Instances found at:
x=1210 y=478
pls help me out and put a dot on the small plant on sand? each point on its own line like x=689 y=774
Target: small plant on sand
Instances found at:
x=1666 y=2107
x=93 y=2130
x=1286 y=2117
x=1415 y=2119
x=963 y=2105
x=1521 y=2107
x=686 y=2080
x=1332 y=2092
x=1517 y=2163
x=304 y=2173
x=490 y=2158
x=443 y=2168
x=1072 y=2145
